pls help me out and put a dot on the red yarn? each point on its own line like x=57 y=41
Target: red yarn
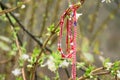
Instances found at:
x=70 y=37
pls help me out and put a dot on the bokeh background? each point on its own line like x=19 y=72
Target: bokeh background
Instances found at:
x=98 y=31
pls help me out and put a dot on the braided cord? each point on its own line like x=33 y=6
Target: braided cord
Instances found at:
x=70 y=36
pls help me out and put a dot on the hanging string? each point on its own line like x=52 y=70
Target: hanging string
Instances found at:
x=74 y=54
x=70 y=36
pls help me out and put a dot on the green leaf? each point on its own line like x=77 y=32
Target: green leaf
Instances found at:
x=14 y=35
x=23 y=48
x=21 y=63
x=51 y=27
x=88 y=71
x=57 y=59
x=17 y=28
x=115 y=68
x=3 y=17
x=80 y=64
x=36 y=52
x=46 y=78
x=20 y=3
x=14 y=47
x=12 y=19
x=106 y=61
x=2 y=76
x=19 y=78
x=57 y=30
x=42 y=59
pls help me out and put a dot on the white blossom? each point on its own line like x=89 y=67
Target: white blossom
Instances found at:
x=78 y=15
x=16 y=72
x=118 y=74
x=25 y=57
x=50 y=63
x=29 y=66
x=108 y=65
x=64 y=64
x=103 y=0
x=107 y=1
x=23 y=6
x=52 y=66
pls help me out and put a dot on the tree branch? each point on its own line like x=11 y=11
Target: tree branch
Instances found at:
x=45 y=43
x=23 y=28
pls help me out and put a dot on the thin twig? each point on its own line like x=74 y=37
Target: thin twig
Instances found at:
x=103 y=25
x=67 y=73
x=7 y=10
x=45 y=18
x=116 y=77
x=102 y=73
x=17 y=40
x=38 y=57
x=96 y=72
x=12 y=25
x=98 y=69
x=31 y=23
x=55 y=15
x=23 y=74
x=23 y=28
x=94 y=17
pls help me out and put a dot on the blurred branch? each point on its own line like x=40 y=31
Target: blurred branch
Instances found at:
x=56 y=10
x=55 y=15
x=31 y=21
x=7 y=10
x=45 y=17
x=12 y=25
x=84 y=70
x=80 y=27
x=100 y=71
x=104 y=24
x=18 y=42
x=23 y=28
x=23 y=74
x=93 y=17
x=95 y=72
x=67 y=72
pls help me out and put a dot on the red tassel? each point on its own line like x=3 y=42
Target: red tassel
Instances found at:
x=70 y=37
